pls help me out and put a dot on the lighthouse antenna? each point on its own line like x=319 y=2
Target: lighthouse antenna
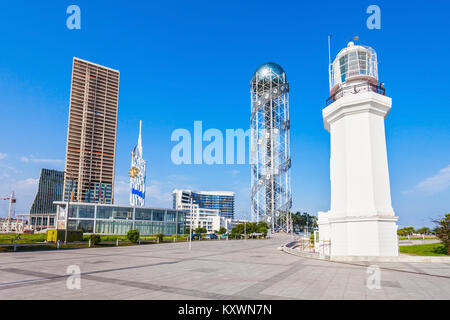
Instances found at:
x=330 y=71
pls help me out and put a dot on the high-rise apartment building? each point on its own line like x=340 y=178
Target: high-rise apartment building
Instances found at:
x=215 y=200
x=91 y=133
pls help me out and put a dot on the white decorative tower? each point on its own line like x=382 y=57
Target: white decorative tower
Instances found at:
x=361 y=221
x=137 y=174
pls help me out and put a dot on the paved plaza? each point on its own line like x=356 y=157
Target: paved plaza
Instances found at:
x=252 y=269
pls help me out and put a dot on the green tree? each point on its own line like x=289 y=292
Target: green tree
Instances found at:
x=249 y=228
x=222 y=230
x=200 y=230
x=407 y=231
x=262 y=227
x=133 y=235
x=302 y=220
x=424 y=230
x=443 y=231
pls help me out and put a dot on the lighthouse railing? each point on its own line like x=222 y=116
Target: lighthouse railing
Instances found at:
x=362 y=87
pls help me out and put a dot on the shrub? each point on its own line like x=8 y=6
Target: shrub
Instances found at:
x=133 y=235
x=95 y=239
x=443 y=231
x=159 y=237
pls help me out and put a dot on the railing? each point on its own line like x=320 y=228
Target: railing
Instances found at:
x=356 y=89
x=15 y=243
x=304 y=245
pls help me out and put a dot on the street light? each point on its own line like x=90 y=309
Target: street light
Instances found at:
x=245 y=226
x=67 y=209
x=190 y=228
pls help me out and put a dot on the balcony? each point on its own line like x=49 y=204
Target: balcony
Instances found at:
x=362 y=87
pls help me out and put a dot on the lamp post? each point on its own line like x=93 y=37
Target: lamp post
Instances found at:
x=190 y=228
x=291 y=224
x=245 y=226
x=67 y=213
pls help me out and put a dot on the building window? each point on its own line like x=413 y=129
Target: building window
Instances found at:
x=80 y=211
x=158 y=215
x=87 y=226
x=143 y=214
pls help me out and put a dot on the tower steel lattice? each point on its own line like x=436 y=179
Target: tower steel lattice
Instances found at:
x=271 y=198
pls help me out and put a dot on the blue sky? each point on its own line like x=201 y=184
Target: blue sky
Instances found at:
x=193 y=60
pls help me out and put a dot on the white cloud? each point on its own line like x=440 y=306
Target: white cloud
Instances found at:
x=3 y=155
x=157 y=194
x=433 y=184
x=55 y=162
x=234 y=173
x=8 y=169
x=179 y=177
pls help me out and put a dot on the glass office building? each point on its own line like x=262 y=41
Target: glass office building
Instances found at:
x=117 y=220
x=50 y=189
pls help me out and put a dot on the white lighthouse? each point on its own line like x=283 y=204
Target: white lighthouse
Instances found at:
x=361 y=221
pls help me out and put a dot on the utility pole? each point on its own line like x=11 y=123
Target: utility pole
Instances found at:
x=68 y=204
x=292 y=224
x=245 y=226
x=190 y=228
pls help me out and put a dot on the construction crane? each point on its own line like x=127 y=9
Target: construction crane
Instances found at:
x=12 y=200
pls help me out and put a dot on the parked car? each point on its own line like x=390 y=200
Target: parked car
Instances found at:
x=211 y=236
x=196 y=236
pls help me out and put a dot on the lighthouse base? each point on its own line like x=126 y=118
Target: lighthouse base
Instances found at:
x=374 y=236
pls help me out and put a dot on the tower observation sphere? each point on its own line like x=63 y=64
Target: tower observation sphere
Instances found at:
x=270 y=70
x=271 y=198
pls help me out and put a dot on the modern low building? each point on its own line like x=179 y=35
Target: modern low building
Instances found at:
x=12 y=225
x=197 y=217
x=117 y=220
x=213 y=200
x=50 y=189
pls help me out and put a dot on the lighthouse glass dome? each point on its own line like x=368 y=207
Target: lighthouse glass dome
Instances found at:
x=353 y=63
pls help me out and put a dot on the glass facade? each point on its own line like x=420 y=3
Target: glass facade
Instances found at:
x=50 y=189
x=111 y=219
